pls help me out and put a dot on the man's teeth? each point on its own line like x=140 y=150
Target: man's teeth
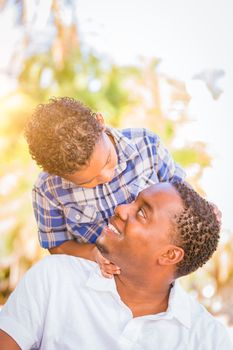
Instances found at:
x=112 y=228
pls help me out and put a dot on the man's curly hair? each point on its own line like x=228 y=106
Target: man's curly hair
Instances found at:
x=61 y=135
x=196 y=230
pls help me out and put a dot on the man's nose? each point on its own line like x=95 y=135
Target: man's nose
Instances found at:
x=122 y=211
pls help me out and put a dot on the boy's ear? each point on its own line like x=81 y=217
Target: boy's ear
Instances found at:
x=172 y=256
x=100 y=119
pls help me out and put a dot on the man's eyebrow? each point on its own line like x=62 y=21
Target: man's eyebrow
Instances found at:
x=86 y=182
x=148 y=207
x=144 y=202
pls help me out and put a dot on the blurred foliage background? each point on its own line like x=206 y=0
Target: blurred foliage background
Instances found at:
x=128 y=96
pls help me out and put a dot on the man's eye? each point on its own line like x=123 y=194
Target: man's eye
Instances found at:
x=141 y=213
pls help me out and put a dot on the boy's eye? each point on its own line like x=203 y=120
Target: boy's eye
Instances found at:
x=141 y=213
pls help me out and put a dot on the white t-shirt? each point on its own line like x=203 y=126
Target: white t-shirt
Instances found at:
x=63 y=303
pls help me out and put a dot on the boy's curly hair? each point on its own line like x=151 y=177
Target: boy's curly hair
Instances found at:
x=61 y=135
x=197 y=230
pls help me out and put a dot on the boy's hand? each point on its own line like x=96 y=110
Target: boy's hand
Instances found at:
x=217 y=212
x=107 y=268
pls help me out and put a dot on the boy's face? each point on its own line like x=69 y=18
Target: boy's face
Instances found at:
x=101 y=168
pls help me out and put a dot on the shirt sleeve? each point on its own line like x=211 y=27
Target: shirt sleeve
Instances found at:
x=52 y=230
x=22 y=317
x=167 y=169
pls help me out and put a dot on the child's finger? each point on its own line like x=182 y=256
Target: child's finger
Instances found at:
x=112 y=265
x=106 y=274
x=111 y=269
x=103 y=260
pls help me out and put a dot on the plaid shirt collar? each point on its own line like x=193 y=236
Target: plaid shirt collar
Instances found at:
x=125 y=150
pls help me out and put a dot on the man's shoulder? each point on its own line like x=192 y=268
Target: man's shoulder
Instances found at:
x=67 y=262
x=54 y=267
x=204 y=324
x=204 y=328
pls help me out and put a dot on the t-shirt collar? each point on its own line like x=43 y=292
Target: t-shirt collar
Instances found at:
x=98 y=282
x=178 y=303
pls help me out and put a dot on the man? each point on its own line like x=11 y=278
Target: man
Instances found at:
x=167 y=232
x=88 y=169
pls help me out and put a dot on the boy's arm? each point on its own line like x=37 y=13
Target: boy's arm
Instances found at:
x=166 y=168
x=87 y=251
x=82 y=250
x=50 y=218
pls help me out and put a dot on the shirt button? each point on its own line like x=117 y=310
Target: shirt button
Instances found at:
x=78 y=217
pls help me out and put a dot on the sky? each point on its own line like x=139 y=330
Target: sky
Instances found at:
x=189 y=36
x=186 y=34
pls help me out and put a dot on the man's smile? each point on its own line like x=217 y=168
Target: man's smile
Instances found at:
x=113 y=227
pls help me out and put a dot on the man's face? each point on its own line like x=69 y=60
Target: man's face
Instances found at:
x=101 y=168
x=139 y=232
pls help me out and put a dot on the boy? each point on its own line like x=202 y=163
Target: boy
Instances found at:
x=88 y=169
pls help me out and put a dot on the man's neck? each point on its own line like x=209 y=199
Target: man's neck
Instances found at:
x=144 y=298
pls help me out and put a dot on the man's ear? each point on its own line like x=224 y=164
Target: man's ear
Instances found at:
x=100 y=119
x=172 y=256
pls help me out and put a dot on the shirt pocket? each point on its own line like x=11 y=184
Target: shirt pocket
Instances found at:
x=86 y=214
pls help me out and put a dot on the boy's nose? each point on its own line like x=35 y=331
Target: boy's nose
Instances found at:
x=106 y=176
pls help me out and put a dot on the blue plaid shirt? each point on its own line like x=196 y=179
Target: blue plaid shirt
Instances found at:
x=65 y=211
